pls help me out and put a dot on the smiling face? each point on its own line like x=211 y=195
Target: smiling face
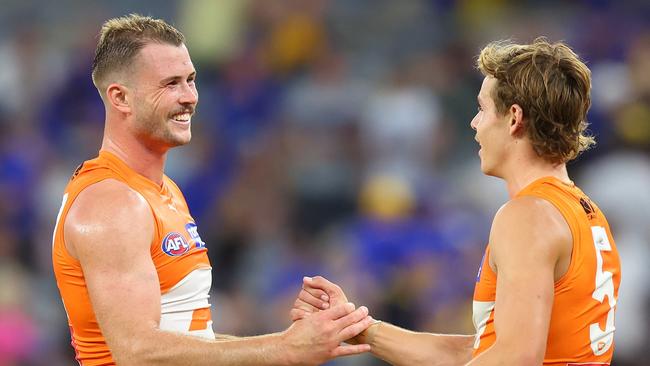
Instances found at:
x=492 y=131
x=164 y=95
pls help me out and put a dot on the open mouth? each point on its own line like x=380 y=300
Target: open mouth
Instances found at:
x=182 y=118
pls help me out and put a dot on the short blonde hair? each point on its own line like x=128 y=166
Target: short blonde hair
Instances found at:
x=552 y=86
x=120 y=40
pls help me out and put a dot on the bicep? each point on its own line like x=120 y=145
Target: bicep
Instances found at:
x=112 y=243
x=124 y=290
x=526 y=247
x=524 y=299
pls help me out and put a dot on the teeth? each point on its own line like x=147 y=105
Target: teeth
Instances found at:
x=184 y=117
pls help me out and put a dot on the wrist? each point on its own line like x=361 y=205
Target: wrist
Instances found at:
x=371 y=332
x=367 y=336
x=284 y=352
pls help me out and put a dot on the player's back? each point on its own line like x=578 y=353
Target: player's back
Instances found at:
x=177 y=252
x=581 y=329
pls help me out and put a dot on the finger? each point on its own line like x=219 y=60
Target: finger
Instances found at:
x=316 y=293
x=308 y=298
x=354 y=317
x=319 y=282
x=299 y=304
x=297 y=314
x=337 y=311
x=347 y=350
x=354 y=329
x=332 y=290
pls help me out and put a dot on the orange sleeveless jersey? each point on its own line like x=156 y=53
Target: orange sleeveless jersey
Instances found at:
x=177 y=251
x=582 y=319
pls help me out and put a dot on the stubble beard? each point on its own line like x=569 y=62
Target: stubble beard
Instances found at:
x=156 y=130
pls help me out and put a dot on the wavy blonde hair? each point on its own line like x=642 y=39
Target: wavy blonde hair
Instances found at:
x=552 y=86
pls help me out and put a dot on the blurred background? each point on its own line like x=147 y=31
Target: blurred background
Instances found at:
x=332 y=138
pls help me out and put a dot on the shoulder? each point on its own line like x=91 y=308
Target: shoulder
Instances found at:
x=529 y=225
x=529 y=212
x=109 y=198
x=107 y=209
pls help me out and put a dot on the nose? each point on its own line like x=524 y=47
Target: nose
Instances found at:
x=474 y=122
x=189 y=94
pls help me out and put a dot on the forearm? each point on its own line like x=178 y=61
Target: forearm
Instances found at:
x=225 y=337
x=168 y=348
x=500 y=354
x=399 y=347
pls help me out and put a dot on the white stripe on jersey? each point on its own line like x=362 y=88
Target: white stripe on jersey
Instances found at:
x=179 y=303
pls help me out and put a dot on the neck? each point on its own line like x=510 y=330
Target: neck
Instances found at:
x=526 y=171
x=146 y=162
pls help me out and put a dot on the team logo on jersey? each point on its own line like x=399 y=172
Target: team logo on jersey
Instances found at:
x=480 y=269
x=588 y=207
x=175 y=244
x=192 y=229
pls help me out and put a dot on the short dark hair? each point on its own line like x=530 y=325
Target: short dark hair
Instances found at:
x=552 y=86
x=120 y=40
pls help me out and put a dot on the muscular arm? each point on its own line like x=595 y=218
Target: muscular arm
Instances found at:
x=109 y=229
x=529 y=242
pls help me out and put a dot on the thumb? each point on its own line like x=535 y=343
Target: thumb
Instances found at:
x=335 y=293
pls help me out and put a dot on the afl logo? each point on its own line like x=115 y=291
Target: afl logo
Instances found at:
x=174 y=245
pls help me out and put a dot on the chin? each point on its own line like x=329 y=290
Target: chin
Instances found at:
x=491 y=172
x=181 y=142
x=180 y=139
x=487 y=170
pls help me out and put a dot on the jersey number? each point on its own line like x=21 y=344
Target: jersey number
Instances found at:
x=601 y=340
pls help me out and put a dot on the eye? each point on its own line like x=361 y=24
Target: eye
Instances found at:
x=479 y=108
x=172 y=83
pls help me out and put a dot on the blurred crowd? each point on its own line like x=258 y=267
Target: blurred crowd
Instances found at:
x=331 y=138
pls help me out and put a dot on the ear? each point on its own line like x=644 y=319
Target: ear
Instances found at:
x=118 y=96
x=516 y=115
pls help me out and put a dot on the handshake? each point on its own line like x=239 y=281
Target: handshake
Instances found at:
x=323 y=319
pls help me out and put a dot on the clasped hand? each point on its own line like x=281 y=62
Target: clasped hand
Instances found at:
x=318 y=294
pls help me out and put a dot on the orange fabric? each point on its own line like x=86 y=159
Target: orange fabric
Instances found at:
x=578 y=313
x=200 y=318
x=173 y=224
